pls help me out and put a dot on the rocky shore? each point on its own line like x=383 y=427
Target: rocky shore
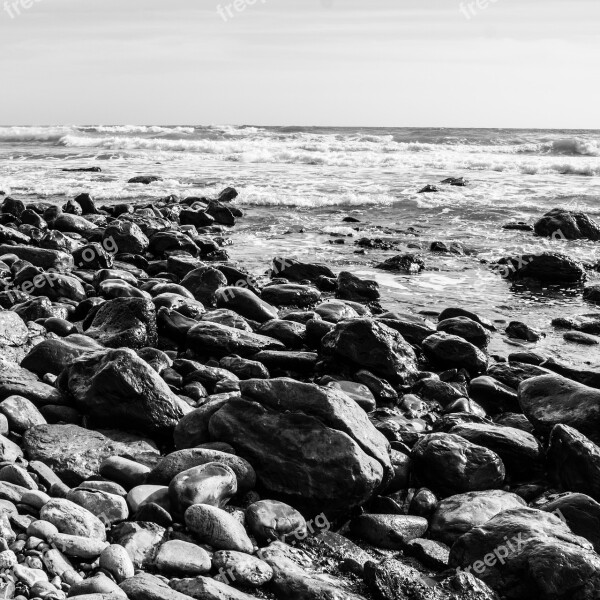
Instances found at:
x=172 y=427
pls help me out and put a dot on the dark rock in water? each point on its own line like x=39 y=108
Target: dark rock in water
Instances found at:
x=522 y=331
x=429 y=188
x=458 y=181
x=513 y=373
x=40 y=257
x=563 y=224
x=163 y=242
x=451 y=248
x=584 y=323
x=331 y=472
x=291 y=294
x=72 y=208
x=458 y=514
x=574 y=461
x=126 y=236
x=541 y=542
x=581 y=513
x=12 y=206
x=388 y=531
x=410 y=264
x=220 y=340
x=117 y=384
x=551 y=399
x=198 y=218
x=520 y=452
x=223 y=215
x=88 y=206
x=297 y=271
x=551 y=267
x=204 y=282
x=145 y=179
x=581 y=338
x=129 y=322
x=72 y=224
x=452 y=351
x=53 y=355
x=350 y=220
x=449 y=464
x=227 y=195
x=467 y=329
x=518 y=226
x=75 y=454
x=374 y=346
x=350 y=287
x=245 y=303
x=83 y=170
x=592 y=293
x=450 y=313
x=334 y=311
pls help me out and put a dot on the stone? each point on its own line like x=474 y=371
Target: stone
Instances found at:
x=204 y=587
x=16 y=381
x=291 y=294
x=294 y=270
x=177 y=557
x=449 y=464
x=125 y=471
x=127 y=236
x=141 y=541
x=217 y=528
x=40 y=257
x=109 y=508
x=351 y=287
x=78 y=546
x=334 y=311
x=21 y=413
x=246 y=303
x=408 y=264
x=550 y=267
x=74 y=453
x=391 y=532
x=243 y=569
x=467 y=329
x=270 y=520
x=451 y=351
x=73 y=519
x=117 y=384
x=115 y=559
x=204 y=282
x=455 y=515
x=548 y=400
x=564 y=224
x=373 y=346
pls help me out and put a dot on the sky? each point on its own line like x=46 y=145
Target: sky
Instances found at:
x=412 y=63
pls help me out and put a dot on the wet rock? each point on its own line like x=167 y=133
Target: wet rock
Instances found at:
x=493 y=395
x=452 y=312
x=245 y=303
x=530 y=572
x=563 y=224
x=334 y=311
x=581 y=338
x=449 y=464
x=145 y=179
x=592 y=293
x=374 y=346
x=413 y=329
x=550 y=267
x=521 y=331
x=40 y=257
x=204 y=282
x=295 y=270
x=551 y=399
x=217 y=528
x=447 y=247
x=244 y=368
x=16 y=381
x=511 y=374
x=467 y=329
x=270 y=520
x=291 y=294
x=126 y=236
x=118 y=384
x=409 y=264
x=351 y=287
x=163 y=242
x=220 y=213
x=395 y=580
x=278 y=362
x=220 y=340
x=458 y=514
x=198 y=218
x=74 y=453
x=388 y=531
x=129 y=322
x=330 y=470
x=451 y=351
x=243 y=569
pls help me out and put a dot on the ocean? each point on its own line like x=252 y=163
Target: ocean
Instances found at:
x=296 y=184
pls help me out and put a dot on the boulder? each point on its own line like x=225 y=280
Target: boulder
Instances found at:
x=245 y=303
x=408 y=264
x=373 y=346
x=16 y=381
x=449 y=464
x=40 y=257
x=72 y=519
x=295 y=270
x=291 y=294
x=548 y=400
x=126 y=236
x=204 y=282
x=219 y=529
x=549 y=267
x=351 y=287
x=117 y=384
x=270 y=520
x=467 y=329
x=392 y=532
x=451 y=351
x=564 y=224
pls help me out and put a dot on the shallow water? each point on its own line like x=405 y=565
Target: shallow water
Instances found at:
x=297 y=184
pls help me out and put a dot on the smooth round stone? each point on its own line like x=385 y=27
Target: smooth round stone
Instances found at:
x=109 y=508
x=143 y=494
x=177 y=557
x=73 y=519
x=117 y=562
x=270 y=520
x=35 y=498
x=217 y=528
x=78 y=546
x=581 y=338
x=98 y=584
x=389 y=531
x=18 y=476
x=21 y=413
x=153 y=513
x=42 y=529
x=212 y=483
x=29 y=576
x=127 y=472
x=246 y=569
x=60 y=327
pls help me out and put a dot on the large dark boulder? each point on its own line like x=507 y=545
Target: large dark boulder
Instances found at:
x=549 y=267
x=291 y=294
x=564 y=224
x=298 y=458
x=374 y=346
x=467 y=329
x=551 y=399
x=118 y=385
x=351 y=287
x=245 y=303
x=412 y=328
x=295 y=270
x=204 y=282
x=126 y=236
x=125 y=322
x=530 y=554
x=449 y=464
x=450 y=351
